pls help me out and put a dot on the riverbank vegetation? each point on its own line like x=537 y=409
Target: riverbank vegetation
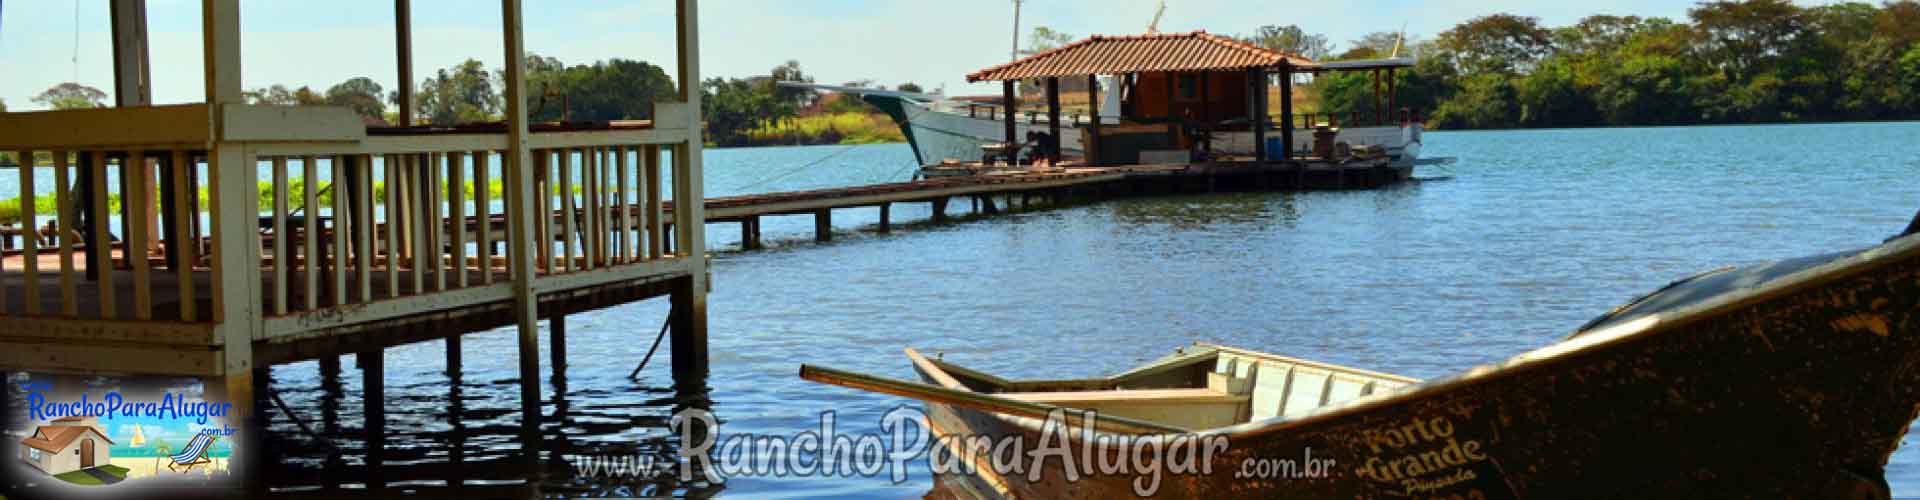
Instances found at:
x=1748 y=61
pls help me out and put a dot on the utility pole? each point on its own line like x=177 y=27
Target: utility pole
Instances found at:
x=1016 y=31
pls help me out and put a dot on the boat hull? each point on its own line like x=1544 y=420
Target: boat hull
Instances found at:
x=1798 y=384
x=941 y=136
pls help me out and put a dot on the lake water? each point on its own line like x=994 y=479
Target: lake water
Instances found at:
x=1531 y=234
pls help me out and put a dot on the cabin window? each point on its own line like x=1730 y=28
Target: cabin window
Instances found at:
x=1189 y=87
x=33 y=454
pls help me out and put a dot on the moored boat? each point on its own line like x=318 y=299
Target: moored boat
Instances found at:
x=1789 y=379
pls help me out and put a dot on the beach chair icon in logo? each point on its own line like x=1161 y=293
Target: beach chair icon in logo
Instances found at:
x=194 y=454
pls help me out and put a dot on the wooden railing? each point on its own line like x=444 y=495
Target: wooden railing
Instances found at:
x=350 y=227
x=405 y=223
x=93 y=276
x=1400 y=117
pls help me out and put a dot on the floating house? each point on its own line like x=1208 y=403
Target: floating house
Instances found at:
x=1197 y=97
x=67 y=444
x=223 y=287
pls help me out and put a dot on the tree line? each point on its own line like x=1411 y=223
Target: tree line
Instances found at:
x=1744 y=61
x=737 y=111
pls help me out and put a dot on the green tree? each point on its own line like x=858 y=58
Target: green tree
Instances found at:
x=363 y=95
x=732 y=107
x=1898 y=21
x=910 y=87
x=790 y=72
x=71 y=95
x=1550 y=96
x=1042 y=39
x=616 y=89
x=461 y=94
x=280 y=95
x=1746 y=37
x=3 y=105
x=1291 y=39
x=1499 y=43
x=1485 y=100
x=1380 y=44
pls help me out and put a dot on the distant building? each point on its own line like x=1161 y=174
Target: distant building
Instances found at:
x=67 y=444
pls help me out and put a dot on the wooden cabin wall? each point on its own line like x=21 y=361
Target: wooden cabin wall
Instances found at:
x=1225 y=97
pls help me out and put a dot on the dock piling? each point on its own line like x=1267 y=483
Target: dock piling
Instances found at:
x=453 y=356
x=939 y=210
x=557 y=335
x=373 y=400
x=885 y=224
x=823 y=225
x=750 y=233
x=689 y=334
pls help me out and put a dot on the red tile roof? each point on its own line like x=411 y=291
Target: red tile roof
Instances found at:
x=1155 y=52
x=53 y=438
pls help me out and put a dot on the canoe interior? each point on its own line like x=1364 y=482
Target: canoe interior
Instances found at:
x=1202 y=387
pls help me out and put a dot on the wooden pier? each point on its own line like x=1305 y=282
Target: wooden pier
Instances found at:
x=1018 y=186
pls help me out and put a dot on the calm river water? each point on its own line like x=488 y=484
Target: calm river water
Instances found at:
x=1531 y=234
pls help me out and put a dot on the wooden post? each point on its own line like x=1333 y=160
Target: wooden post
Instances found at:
x=453 y=355
x=690 y=297
x=557 y=335
x=1093 y=104
x=1006 y=92
x=520 y=219
x=30 y=241
x=823 y=225
x=1173 y=126
x=1391 y=101
x=373 y=400
x=62 y=202
x=1053 y=119
x=885 y=224
x=235 y=207
x=750 y=232
x=1286 y=108
x=1379 y=108
x=403 y=55
x=1257 y=112
x=939 y=210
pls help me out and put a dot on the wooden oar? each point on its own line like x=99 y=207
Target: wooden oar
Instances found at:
x=984 y=402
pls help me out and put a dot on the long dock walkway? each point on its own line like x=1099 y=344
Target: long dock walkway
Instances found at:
x=984 y=188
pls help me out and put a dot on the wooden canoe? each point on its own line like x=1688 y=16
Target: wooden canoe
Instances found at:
x=1789 y=379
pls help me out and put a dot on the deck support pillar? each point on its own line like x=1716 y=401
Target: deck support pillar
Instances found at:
x=750 y=233
x=689 y=334
x=517 y=174
x=329 y=369
x=939 y=210
x=823 y=225
x=690 y=294
x=1286 y=109
x=1093 y=109
x=453 y=356
x=986 y=204
x=1257 y=112
x=373 y=385
x=886 y=225
x=1006 y=90
x=1053 y=122
x=557 y=335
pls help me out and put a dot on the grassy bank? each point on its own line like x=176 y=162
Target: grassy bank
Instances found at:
x=828 y=128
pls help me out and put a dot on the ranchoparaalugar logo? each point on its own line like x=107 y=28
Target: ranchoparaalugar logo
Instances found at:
x=106 y=439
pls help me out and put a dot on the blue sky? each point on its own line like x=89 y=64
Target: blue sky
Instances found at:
x=930 y=42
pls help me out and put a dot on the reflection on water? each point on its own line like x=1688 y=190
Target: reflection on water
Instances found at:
x=462 y=433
